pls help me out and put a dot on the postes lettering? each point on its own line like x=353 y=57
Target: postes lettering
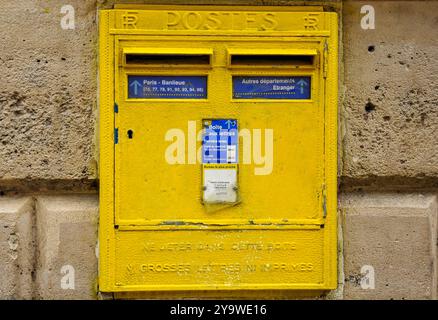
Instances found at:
x=193 y=20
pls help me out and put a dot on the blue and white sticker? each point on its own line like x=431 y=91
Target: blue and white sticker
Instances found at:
x=271 y=87
x=220 y=141
x=167 y=87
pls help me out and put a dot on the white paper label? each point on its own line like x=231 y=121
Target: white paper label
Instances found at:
x=220 y=185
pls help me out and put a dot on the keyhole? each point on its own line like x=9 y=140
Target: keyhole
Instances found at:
x=130 y=134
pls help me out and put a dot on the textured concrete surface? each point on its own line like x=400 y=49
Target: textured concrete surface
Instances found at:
x=16 y=248
x=48 y=95
x=48 y=91
x=390 y=113
x=396 y=234
x=67 y=238
x=48 y=116
x=50 y=134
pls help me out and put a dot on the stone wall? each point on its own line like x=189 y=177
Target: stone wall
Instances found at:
x=388 y=149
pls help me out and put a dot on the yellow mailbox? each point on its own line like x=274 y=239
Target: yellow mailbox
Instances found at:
x=217 y=149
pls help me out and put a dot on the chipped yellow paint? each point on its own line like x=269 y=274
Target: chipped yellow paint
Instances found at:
x=155 y=233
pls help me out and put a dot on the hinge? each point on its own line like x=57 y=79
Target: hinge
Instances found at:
x=116 y=135
x=324 y=202
x=116 y=107
x=325 y=60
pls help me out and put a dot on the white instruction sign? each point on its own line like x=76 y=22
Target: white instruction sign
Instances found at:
x=220 y=183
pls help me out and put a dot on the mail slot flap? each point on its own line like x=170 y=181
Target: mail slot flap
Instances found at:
x=270 y=57
x=167 y=56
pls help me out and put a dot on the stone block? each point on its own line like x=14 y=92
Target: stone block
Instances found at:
x=389 y=113
x=395 y=234
x=67 y=238
x=48 y=94
x=16 y=248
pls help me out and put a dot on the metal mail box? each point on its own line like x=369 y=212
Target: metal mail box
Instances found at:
x=218 y=142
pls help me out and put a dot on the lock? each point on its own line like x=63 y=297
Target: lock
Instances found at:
x=224 y=179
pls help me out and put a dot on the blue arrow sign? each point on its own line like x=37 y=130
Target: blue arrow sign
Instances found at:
x=136 y=85
x=167 y=87
x=257 y=87
x=220 y=141
x=302 y=83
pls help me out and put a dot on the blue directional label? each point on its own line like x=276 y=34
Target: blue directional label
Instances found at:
x=167 y=87
x=271 y=87
x=220 y=141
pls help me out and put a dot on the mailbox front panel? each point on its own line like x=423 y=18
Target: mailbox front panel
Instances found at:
x=218 y=149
